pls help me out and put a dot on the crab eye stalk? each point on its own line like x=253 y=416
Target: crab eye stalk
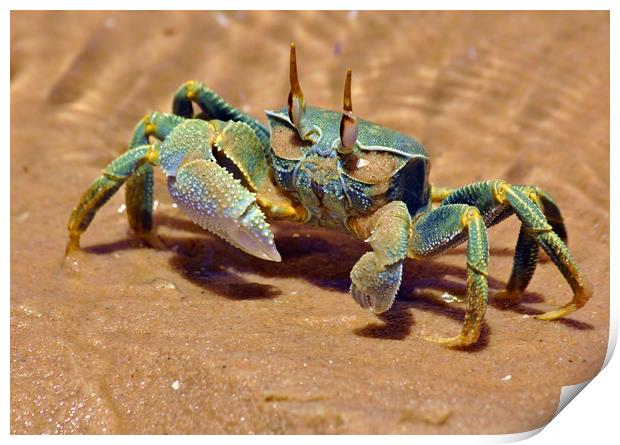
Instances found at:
x=296 y=105
x=348 y=122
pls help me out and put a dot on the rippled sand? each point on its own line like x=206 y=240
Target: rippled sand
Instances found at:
x=202 y=338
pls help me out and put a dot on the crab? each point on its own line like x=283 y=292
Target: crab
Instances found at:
x=231 y=174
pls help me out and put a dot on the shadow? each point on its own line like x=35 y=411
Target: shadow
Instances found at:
x=397 y=323
x=432 y=274
x=324 y=259
x=208 y=263
x=214 y=264
x=107 y=248
x=524 y=310
x=176 y=223
x=221 y=281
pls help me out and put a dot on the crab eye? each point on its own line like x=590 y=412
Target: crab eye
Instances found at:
x=348 y=122
x=296 y=105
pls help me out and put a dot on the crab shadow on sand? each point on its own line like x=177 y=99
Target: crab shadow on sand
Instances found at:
x=325 y=259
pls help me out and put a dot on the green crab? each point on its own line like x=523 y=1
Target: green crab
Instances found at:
x=231 y=174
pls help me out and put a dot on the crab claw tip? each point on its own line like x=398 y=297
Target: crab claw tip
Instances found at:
x=252 y=235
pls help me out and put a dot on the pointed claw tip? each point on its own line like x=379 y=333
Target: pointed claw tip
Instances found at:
x=448 y=342
x=73 y=245
x=274 y=256
x=557 y=313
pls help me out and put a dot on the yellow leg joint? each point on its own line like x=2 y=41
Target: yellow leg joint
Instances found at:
x=499 y=191
x=191 y=91
x=533 y=195
x=438 y=194
x=149 y=128
x=152 y=156
x=469 y=215
x=282 y=211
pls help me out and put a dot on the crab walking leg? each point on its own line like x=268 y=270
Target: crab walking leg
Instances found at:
x=493 y=211
x=493 y=195
x=523 y=268
x=139 y=186
x=526 y=250
x=438 y=194
x=536 y=224
x=376 y=277
x=215 y=108
x=445 y=227
x=112 y=177
x=496 y=211
x=552 y=213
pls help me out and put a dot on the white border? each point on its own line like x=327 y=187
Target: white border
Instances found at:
x=592 y=418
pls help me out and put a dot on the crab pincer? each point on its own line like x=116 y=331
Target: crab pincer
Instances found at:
x=217 y=201
x=201 y=160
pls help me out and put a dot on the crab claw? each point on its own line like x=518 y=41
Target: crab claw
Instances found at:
x=374 y=287
x=216 y=201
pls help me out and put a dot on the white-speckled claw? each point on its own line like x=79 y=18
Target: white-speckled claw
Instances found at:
x=252 y=235
x=216 y=201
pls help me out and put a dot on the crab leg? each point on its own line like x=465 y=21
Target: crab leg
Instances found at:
x=214 y=107
x=523 y=267
x=139 y=186
x=526 y=250
x=495 y=199
x=552 y=213
x=446 y=227
x=438 y=194
x=376 y=277
x=112 y=177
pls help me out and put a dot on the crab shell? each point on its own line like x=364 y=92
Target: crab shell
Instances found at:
x=384 y=166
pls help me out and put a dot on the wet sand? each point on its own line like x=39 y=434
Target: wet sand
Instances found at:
x=202 y=338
